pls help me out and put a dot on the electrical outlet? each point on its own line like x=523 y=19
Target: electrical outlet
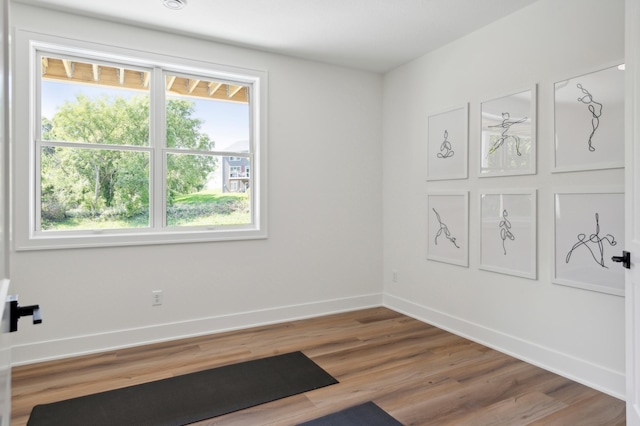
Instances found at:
x=156 y=298
x=394 y=276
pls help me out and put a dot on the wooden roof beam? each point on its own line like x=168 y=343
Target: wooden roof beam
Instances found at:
x=68 y=67
x=213 y=87
x=145 y=76
x=191 y=85
x=95 y=68
x=120 y=75
x=170 y=80
x=232 y=90
x=45 y=65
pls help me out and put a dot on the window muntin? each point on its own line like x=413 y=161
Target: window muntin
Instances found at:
x=149 y=70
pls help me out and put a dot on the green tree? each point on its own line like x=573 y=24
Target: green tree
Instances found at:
x=109 y=177
x=186 y=173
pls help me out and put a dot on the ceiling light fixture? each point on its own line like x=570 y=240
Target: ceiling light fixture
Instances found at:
x=174 y=4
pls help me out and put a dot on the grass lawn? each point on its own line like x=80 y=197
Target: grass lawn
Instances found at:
x=205 y=208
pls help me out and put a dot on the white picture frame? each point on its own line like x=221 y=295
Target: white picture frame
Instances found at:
x=448 y=144
x=588 y=231
x=508 y=134
x=589 y=121
x=508 y=239
x=448 y=227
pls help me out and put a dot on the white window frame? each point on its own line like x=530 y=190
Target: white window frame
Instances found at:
x=25 y=170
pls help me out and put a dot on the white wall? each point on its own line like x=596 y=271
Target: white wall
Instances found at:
x=331 y=245
x=575 y=332
x=324 y=251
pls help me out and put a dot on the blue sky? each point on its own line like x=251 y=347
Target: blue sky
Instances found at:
x=224 y=122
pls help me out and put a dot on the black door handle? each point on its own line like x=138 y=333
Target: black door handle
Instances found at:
x=625 y=259
x=16 y=311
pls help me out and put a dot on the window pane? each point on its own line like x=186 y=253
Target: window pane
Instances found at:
x=206 y=115
x=94 y=103
x=93 y=189
x=199 y=192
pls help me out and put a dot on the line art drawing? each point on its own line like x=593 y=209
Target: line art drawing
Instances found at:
x=595 y=108
x=445 y=147
x=505 y=230
x=506 y=126
x=444 y=229
x=594 y=244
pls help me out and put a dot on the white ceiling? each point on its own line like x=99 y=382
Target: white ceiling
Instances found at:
x=373 y=35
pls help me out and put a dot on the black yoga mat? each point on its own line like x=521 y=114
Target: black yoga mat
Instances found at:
x=367 y=414
x=189 y=398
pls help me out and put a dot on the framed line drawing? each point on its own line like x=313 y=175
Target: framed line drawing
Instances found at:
x=508 y=135
x=508 y=232
x=589 y=230
x=589 y=121
x=448 y=227
x=447 y=144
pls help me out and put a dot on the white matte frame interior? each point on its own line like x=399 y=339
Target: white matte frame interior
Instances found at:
x=508 y=232
x=448 y=144
x=584 y=243
x=510 y=120
x=448 y=227
x=589 y=120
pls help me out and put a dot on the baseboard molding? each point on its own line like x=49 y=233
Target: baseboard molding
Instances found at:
x=581 y=371
x=102 y=342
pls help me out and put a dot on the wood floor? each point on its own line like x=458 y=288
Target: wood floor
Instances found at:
x=419 y=374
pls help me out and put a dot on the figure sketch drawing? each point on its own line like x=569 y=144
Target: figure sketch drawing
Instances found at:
x=505 y=135
x=505 y=230
x=594 y=244
x=445 y=147
x=595 y=108
x=444 y=229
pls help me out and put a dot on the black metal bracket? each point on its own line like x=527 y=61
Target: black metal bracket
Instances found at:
x=625 y=259
x=16 y=311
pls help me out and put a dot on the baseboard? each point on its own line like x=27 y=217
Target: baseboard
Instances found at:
x=101 y=342
x=581 y=371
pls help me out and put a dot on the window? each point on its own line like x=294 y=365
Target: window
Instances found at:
x=130 y=150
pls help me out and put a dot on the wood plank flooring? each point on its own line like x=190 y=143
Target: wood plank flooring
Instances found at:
x=419 y=374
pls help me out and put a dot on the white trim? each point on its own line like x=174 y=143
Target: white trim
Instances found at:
x=579 y=370
x=582 y=371
x=26 y=237
x=632 y=207
x=112 y=340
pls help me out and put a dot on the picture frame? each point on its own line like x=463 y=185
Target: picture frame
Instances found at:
x=588 y=231
x=508 y=239
x=508 y=134
x=448 y=227
x=448 y=144
x=589 y=121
